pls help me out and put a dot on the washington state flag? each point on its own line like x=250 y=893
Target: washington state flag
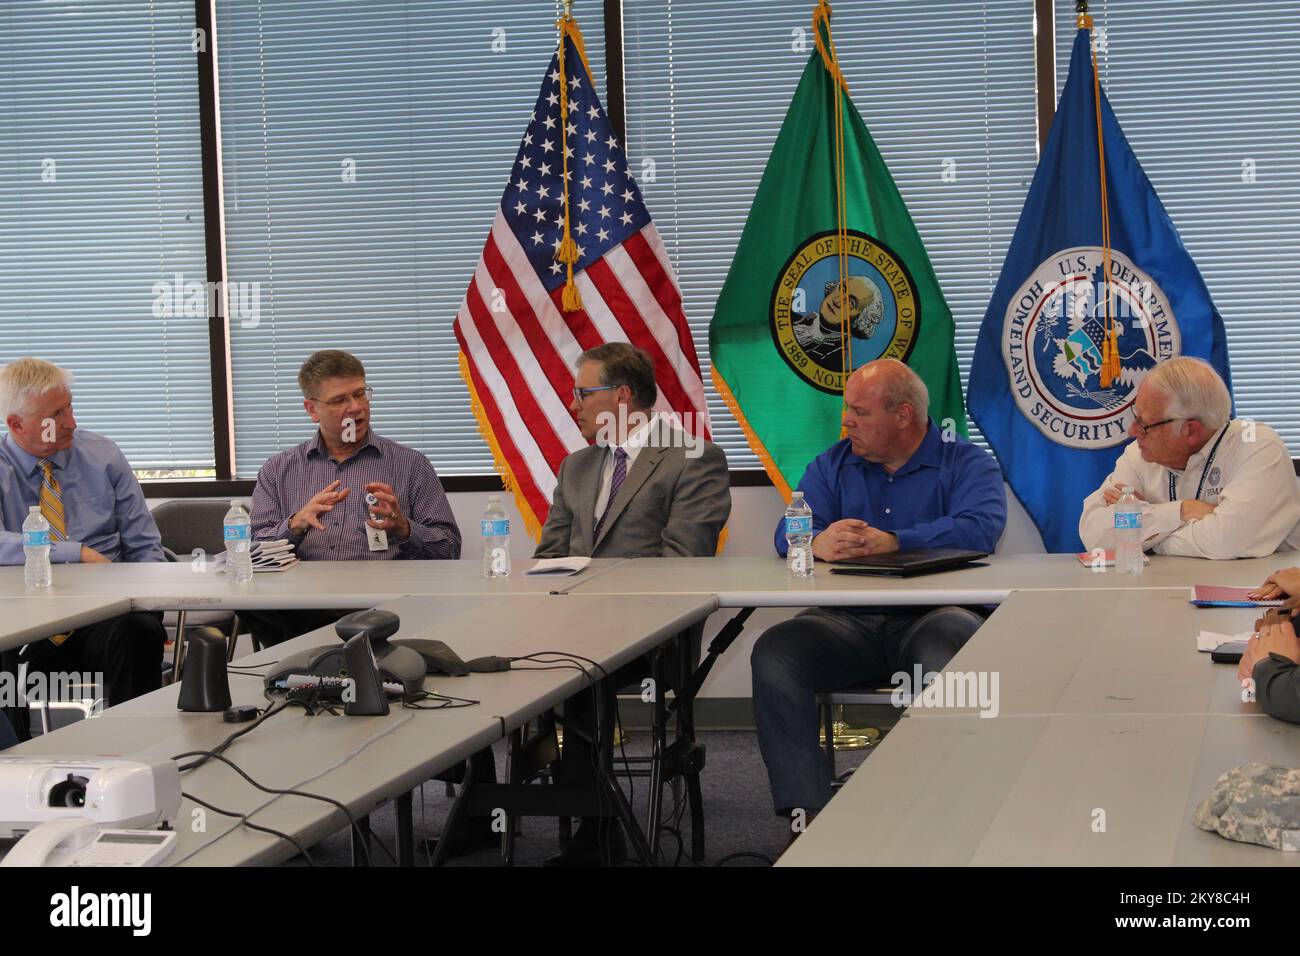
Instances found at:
x=830 y=273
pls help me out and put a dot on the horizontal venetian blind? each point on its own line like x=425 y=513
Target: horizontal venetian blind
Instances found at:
x=101 y=217
x=365 y=149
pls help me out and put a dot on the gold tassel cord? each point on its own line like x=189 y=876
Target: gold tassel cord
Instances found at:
x=570 y=300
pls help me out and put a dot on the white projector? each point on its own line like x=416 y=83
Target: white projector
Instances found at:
x=110 y=791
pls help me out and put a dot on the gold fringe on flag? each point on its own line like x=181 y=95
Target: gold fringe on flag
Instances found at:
x=751 y=436
x=531 y=524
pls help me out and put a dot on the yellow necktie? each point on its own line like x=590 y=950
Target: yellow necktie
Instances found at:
x=52 y=502
x=52 y=511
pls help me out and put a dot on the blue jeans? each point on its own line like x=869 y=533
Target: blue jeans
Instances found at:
x=825 y=649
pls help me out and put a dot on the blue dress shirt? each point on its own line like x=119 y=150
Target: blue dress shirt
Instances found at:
x=948 y=495
x=103 y=502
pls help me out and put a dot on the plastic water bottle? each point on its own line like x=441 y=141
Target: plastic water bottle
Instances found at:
x=238 y=535
x=1128 y=534
x=496 y=539
x=798 y=537
x=36 y=548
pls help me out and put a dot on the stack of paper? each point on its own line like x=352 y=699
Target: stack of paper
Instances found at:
x=557 y=567
x=267 y=556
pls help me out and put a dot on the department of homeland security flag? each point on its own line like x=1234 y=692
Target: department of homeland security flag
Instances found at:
x=518 y=342
x=1040 y=388
x=778 y=331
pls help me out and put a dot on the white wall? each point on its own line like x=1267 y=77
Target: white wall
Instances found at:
x=754 y=513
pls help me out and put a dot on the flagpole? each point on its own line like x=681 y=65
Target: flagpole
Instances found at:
x=822 y=17
x=1110 y=359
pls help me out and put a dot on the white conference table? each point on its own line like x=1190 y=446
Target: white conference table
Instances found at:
x=31 y=618
x=168 y=586
x=764 y=581
x=1105 y=705
x=367 y=761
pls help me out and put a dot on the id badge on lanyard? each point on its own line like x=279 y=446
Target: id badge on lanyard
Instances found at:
x=376 y=538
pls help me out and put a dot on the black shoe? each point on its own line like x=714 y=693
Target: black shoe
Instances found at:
x=597 y=843
x=474 y=835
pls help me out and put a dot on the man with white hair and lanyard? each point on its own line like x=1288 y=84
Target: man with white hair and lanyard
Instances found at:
x=1211 y=487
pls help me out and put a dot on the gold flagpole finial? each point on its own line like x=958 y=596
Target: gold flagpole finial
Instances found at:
x=568 y=9
x=1081 y=8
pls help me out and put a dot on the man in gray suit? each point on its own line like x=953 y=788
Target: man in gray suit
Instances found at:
x=644 y=488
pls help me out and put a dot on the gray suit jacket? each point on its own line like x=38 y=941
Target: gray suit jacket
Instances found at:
x=669 y=505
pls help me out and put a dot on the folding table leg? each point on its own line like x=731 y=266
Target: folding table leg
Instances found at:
x=405 y=831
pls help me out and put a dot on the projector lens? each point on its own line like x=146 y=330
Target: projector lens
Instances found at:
x=69 y=793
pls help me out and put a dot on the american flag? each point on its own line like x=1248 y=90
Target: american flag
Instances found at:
x=518 y=346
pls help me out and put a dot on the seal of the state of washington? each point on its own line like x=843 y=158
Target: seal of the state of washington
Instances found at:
x=812 y=313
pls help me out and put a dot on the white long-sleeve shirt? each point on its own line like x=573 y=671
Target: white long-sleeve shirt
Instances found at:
x=1251 y=482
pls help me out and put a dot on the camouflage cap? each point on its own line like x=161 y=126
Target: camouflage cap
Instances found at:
x=1256 y=803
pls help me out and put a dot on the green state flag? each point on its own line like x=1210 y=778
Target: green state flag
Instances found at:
x=777 y=336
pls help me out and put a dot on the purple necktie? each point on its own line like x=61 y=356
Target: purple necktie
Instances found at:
x=615 y=483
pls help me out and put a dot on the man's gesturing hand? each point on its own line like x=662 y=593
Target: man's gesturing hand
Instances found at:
x=308 y=516
x=388 y=510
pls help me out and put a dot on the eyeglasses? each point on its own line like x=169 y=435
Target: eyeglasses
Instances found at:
x=580 y=394
x=1146 y=429
x=360 y=395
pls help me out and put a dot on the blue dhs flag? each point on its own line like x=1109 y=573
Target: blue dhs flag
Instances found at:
x=1062 y=350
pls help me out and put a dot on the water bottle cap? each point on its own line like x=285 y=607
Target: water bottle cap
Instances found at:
x=797 y=494
x=234 y=503
x=34 y=509
x=494 y=497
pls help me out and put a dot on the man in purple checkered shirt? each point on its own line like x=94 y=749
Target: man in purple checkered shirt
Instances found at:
x=315 y=494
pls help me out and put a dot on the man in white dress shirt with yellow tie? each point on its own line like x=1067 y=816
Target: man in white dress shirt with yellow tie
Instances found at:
x=1211 y=487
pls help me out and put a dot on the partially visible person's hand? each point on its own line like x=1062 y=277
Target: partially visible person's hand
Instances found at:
x=1276 y=638
x=91 y=556
x=1284 y=583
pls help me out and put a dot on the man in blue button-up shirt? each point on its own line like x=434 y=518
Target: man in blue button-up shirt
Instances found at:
x=894 y=483
x=105 y=519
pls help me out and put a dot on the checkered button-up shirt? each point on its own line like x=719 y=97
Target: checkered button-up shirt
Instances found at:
x=289 y=480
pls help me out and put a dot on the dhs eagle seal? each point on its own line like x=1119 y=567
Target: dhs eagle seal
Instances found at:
x=810 y=314
x=1053 y=343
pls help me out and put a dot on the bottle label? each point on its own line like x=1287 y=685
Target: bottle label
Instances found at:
x=496 y=528
x=801 y=525
x=1128 y=521
x=36 y=539
x=238 y=532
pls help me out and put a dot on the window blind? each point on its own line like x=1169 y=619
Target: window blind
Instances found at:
x=101 y=216
x=365 y=150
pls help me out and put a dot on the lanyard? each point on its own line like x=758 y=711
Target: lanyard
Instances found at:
x=1209 y=463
